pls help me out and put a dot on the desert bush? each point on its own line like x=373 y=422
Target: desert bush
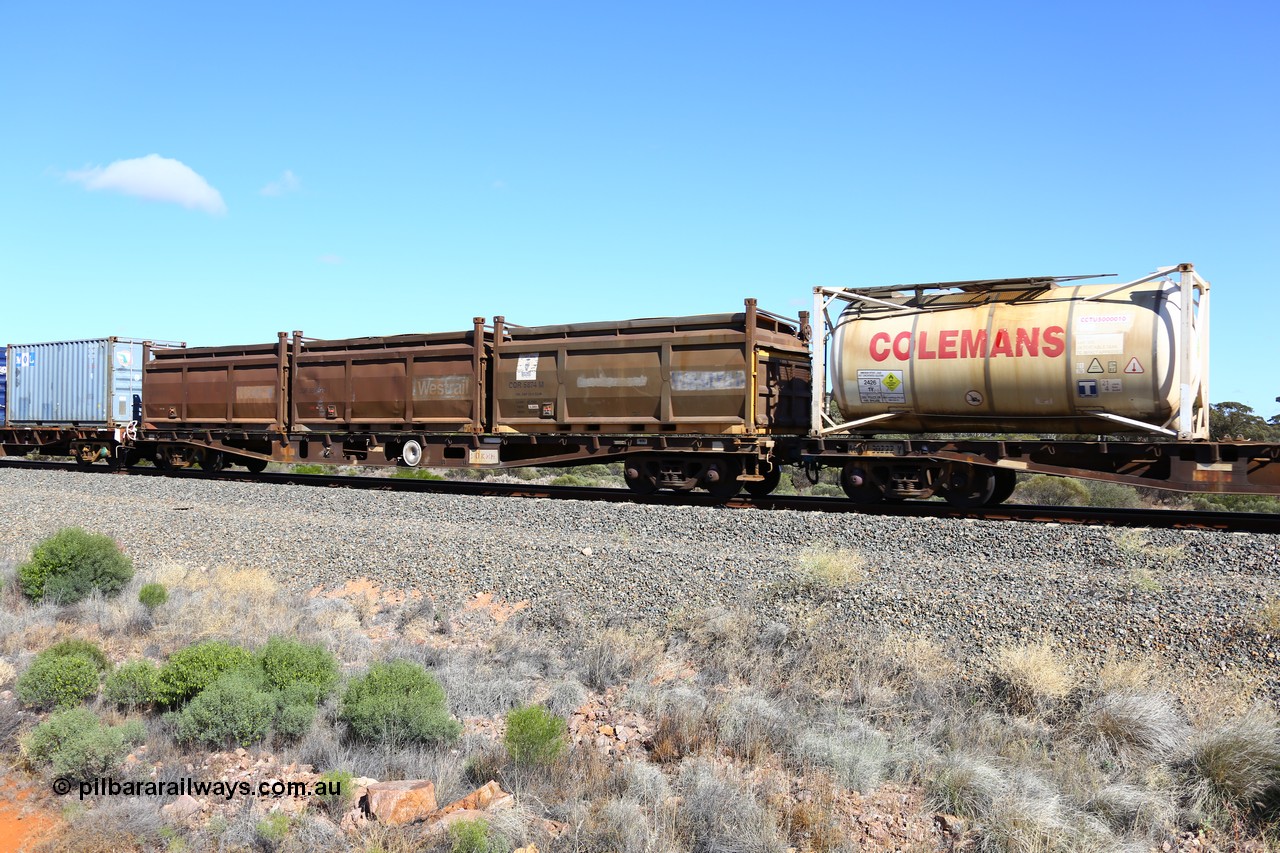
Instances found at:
x=311 y=469
x=79 y=746
x=614 y=657
x=565 y=696
x=398 y=702
x=1134 y=727
x=535 y=736
x=1111 y=495
x=1236 y=764
x=65 y=567
x=469 y=836
x=79 y=648
x=854 y=752
x=272 y=829
x=305 y=666
x=133 y=684
x=719 y=813
x=750 y=724
x=152 y=595
x=1047 y=490
x=234 y=709
x=338 y=794
x=191 y=669
x=1030 y=677
x=57 y=682
x=682 y=724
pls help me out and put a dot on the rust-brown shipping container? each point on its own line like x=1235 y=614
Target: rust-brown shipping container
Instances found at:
x=405 y=383
x=712 y=374
x=244 y=387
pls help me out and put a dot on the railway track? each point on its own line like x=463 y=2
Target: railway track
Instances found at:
x=1234 y=522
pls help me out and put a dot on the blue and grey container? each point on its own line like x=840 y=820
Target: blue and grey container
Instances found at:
x=95 y=382
x=4 y=353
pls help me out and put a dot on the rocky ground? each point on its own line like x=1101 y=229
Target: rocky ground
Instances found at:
x=1191 y=599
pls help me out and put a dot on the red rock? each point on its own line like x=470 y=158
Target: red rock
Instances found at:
x=401 y=802
x=488 y=796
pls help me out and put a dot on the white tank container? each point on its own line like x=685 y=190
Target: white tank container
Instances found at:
x=1028 y=361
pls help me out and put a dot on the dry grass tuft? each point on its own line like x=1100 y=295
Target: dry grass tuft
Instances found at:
x=616 y=656
x=1235 y=765
x=1120 y=673
x=1136 y=728
x=831 y=568
x=965 y=785
x=246 y=605
x=1137 y=550
x=1030 y=677
x=1268 y=618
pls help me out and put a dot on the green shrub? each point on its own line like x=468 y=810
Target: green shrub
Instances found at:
x=234 y=709
x=535 y=735
x=338 y=792
x=575 y=481
x=79 y=746
x=152 y=595
x=398 y=702
x=1046 y=490
x=272 y=829
x=191 y=669
x=1111 y=495
x=470 y=836
x=311 y=469
x=415 y=474
x=289 y=663
x=133 y=684
x=79 y=648
x=295 y=710
x=69 y=565
x=57 y=682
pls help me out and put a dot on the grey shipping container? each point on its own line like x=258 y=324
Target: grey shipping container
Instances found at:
x=4 y=369
x=92 y=382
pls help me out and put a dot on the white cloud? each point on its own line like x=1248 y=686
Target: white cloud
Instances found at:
x=330 y=259
x=154 y=178
x=288 y=183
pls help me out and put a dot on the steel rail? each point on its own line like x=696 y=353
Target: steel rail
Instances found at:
x=1232 y=522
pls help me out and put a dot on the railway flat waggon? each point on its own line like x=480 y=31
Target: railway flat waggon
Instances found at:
x=946 y=389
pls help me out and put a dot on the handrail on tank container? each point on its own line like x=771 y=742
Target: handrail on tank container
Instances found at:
x=1190 y=424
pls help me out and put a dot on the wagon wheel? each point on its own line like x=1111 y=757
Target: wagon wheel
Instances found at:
x=721 y=479
x=411 y=453
x=969 y=486
x=213 y=460
x=1006 y=481
x=132 y=457
x=859 y=485
x=255 y=466
x=639 y=478
x=761 y=488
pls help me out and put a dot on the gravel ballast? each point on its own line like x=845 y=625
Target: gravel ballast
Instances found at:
x=969 y=584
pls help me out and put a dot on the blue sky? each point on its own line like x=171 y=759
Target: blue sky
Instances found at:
x=386 y=168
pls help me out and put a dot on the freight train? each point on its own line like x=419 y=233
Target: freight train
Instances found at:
x=945 y=389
